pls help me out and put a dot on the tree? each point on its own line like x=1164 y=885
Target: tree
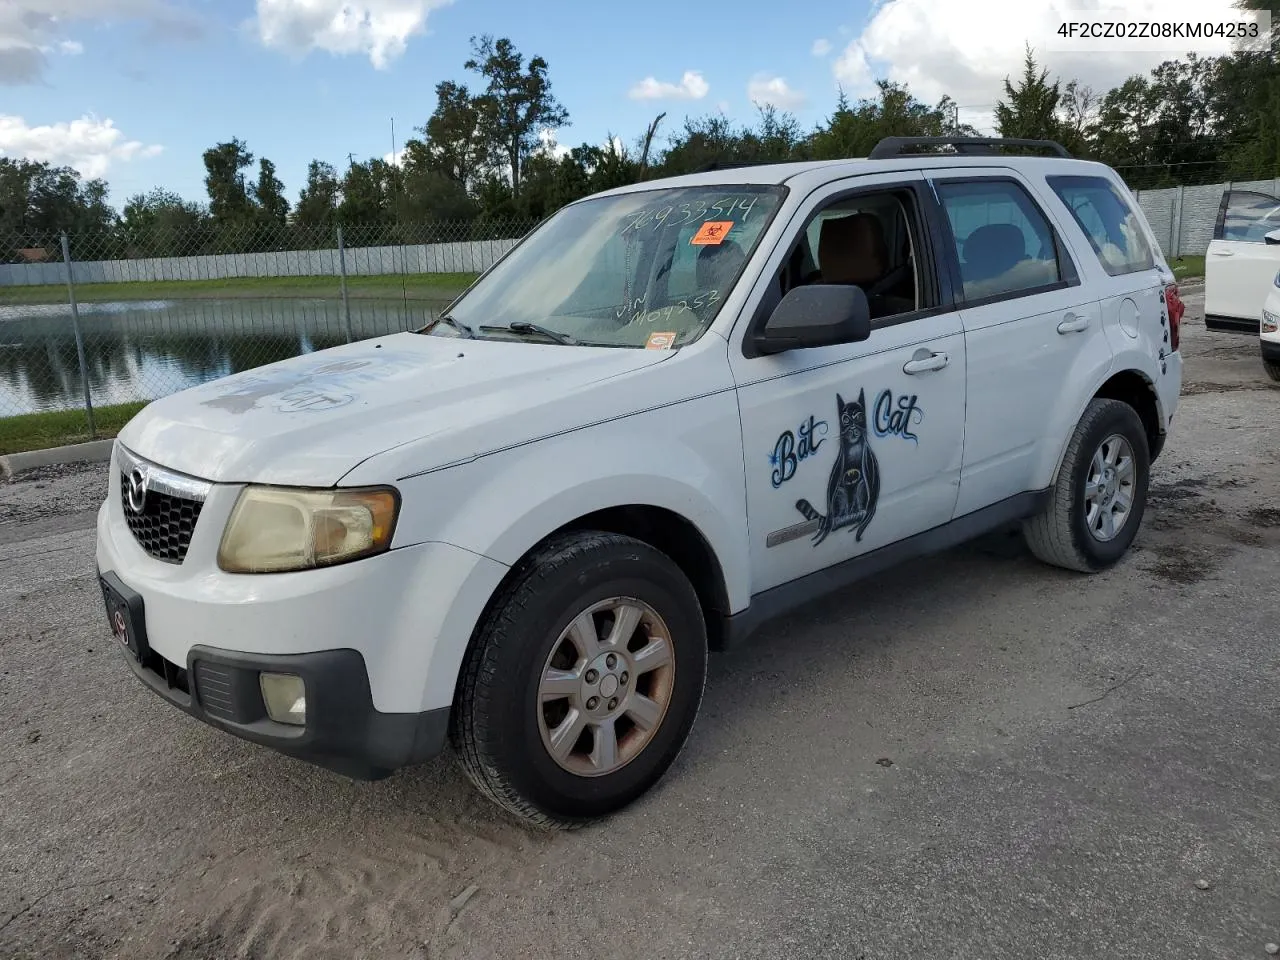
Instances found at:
x=369 y=194
x=38 y=198
x=516 y=106
x=317 y=207
x=1249 y=103
x=1030 y=109
x=648 y=144
x=1079 y=113
x=854 y=130
x=454 y=142
x=1166 y=128
x=224 y=164
x=160 y=223
x=702 y=142
x=268 y=193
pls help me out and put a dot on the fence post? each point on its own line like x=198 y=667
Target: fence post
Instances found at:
x=1176 y=226
x=75 y=325
x=342 y=273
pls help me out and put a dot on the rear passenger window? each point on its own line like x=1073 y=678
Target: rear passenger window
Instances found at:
x=1109 y=222
x=1003 y=241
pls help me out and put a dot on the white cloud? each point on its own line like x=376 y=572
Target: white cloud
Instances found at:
x=89 y=145
x=691 y=87
x=30 y=30
x=941 y=47
x=774 y=91
x=378 y=29
x=821 y=47
x=394 y=159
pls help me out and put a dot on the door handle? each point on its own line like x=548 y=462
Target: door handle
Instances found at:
x=934 y=361
x=1224 y=253
x=1073 y=324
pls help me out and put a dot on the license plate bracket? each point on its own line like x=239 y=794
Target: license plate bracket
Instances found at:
x=125 y=616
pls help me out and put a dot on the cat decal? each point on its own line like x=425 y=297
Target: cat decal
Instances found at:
x=854 y=486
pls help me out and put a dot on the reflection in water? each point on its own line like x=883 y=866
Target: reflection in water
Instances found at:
x=144 y=350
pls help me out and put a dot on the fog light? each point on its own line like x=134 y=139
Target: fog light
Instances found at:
x=285 y=697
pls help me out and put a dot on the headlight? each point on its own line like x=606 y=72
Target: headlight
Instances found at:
x=1270 y=322
x=274 y=529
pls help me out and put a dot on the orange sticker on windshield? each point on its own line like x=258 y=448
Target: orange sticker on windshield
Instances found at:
x=712 y=233
x=660 y=341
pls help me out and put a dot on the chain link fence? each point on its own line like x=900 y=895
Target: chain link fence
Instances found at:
x=92 y=326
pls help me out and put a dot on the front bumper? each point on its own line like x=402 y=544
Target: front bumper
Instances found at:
x=378 y=641
x=344 y=732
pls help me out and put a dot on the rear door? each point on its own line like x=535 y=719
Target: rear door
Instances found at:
x=1240 y=264
x=1032 y=330
x=1124 y=269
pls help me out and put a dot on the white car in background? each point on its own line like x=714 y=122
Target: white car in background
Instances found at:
x=1271 y=330
x=1243 y=258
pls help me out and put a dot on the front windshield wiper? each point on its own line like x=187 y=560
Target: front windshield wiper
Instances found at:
x=458 y=325
x=525 y=328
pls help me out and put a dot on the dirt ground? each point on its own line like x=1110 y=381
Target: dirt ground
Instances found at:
x=973 y=756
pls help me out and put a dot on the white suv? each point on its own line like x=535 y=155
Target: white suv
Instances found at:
x=673 y=411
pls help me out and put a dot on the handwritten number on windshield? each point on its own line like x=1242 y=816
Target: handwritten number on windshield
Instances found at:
x=728 y=208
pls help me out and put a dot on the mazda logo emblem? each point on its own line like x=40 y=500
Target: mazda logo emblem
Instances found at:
x=137 y=490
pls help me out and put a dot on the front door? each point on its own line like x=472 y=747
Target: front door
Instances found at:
x=1240 y=265
x=853 y=447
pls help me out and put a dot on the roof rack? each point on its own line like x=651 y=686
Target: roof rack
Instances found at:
x=897 y=146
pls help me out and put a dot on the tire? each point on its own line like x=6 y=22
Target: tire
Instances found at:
x=1273 y=369
x=502 y=727
x=1060 y=534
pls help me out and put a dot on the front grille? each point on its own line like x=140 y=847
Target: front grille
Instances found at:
x=164 y=525
x=160 y=506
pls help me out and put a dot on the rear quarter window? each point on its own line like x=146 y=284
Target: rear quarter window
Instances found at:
x=1109 y=221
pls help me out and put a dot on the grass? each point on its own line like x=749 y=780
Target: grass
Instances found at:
x=55 y=428
x=1185 y=268
x=421 y=286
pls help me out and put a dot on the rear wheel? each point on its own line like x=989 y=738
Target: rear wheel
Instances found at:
x=1097 y=503
x=583 y=681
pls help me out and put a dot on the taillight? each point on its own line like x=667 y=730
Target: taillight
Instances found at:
x=1176 y=308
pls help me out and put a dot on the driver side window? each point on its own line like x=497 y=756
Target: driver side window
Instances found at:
x=869 y=240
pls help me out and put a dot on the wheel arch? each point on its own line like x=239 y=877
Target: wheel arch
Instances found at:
x=1134 y=388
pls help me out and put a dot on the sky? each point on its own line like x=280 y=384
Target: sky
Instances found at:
x=135 y=90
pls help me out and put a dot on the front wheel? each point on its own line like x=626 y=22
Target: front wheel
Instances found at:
x=1096 y=504
x=583 y=681
x=1273 y=369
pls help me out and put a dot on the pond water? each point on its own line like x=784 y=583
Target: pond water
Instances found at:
x=143 y=350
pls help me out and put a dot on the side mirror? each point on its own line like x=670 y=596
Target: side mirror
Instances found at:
x=1272 y=238
x=821 y=315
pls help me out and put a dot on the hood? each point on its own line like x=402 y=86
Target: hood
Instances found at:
x=310 y=419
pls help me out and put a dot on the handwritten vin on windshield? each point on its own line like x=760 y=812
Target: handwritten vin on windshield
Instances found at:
x=696 y=211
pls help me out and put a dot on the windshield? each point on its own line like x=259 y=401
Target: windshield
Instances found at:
x=646 y=269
